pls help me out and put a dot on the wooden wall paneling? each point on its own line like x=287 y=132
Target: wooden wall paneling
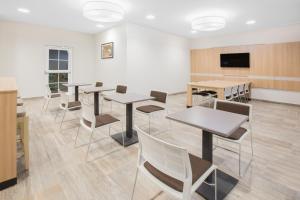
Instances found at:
x=269 y=62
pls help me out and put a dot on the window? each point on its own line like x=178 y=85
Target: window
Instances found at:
x=59 y=68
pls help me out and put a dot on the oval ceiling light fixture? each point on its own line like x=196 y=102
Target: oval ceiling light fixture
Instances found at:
x=100 y=26
x=208 y=23
x=150 y=17
x=103 y=11
x=24 y=10
x=250 y=22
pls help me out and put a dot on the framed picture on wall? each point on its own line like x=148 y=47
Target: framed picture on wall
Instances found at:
x=107 y=50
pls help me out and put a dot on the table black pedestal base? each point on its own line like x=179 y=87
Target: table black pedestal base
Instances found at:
x=127 y=141
x=225 y=183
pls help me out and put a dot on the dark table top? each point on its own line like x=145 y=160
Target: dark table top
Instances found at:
x=215 y=121
x=128 y=98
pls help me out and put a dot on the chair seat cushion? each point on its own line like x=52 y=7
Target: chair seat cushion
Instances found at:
x=210 y=92
x=21 y=112
x=149 y=108
x=238 y=133
x=199 y=167
x=19 y=102
x=204 y=94
x=72 y=104
x=102 y=120
x=55 y=95
x=106 y=99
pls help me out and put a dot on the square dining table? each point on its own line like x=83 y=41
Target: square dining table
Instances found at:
x=128 y=99
x=76 y=85
x=96 y=91
x=212 y=122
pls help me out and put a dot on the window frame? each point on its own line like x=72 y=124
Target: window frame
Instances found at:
x=70 y=66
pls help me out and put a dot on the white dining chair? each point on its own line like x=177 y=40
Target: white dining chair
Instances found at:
x=49 y=97
x=228 y=94
x=158 y=106
x=66 y=106
x=171 y=167
x=241 y=92
x=242 y=132
x=235 y=92
x=120 y=89
x=247 y=91
x=90 y=123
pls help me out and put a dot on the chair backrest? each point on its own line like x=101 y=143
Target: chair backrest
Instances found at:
x=247 y=86
x=159 y=96
x=121 y=89
x=98 y=84
x=64 y=99
x=234 y=107
x=228 y=92
x=167 y=158
x=87 y=114
x=48 y=91
x=234 y=90
x=242 y=88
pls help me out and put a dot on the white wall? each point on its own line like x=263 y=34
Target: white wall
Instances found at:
x=145 y=59
x=112 y=71
x=156 y=60
x=274 y=35
x=268 y=36
x=22 y=51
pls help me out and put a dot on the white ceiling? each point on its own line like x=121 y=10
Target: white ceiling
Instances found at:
x=172 y=16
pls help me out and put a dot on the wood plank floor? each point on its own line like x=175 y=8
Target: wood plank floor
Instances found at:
x=58 y=170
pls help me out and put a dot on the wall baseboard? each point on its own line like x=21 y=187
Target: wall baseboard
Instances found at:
x=268 y=101
x=177 y=93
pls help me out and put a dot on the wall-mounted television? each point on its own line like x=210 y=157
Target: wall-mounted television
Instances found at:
x=235 y=60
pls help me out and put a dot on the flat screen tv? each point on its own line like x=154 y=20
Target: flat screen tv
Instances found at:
x=235 y=60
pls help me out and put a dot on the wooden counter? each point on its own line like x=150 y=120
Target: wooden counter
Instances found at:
x=8 y=117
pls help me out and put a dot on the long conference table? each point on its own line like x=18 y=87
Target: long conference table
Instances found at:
x=215 y=85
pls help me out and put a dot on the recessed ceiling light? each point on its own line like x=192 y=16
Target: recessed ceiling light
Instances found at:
x=193 y=31
x=150 y=17
x=208 y=23
x=23 y=10
x=100 y=25
x=249 y=22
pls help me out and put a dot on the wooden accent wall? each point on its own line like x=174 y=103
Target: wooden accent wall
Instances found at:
x=8 y=119
x=275 y=66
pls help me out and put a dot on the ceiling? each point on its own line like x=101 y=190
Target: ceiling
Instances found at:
x=172 y=16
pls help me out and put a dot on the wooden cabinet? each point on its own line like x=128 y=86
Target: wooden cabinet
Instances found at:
x=8 y=117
